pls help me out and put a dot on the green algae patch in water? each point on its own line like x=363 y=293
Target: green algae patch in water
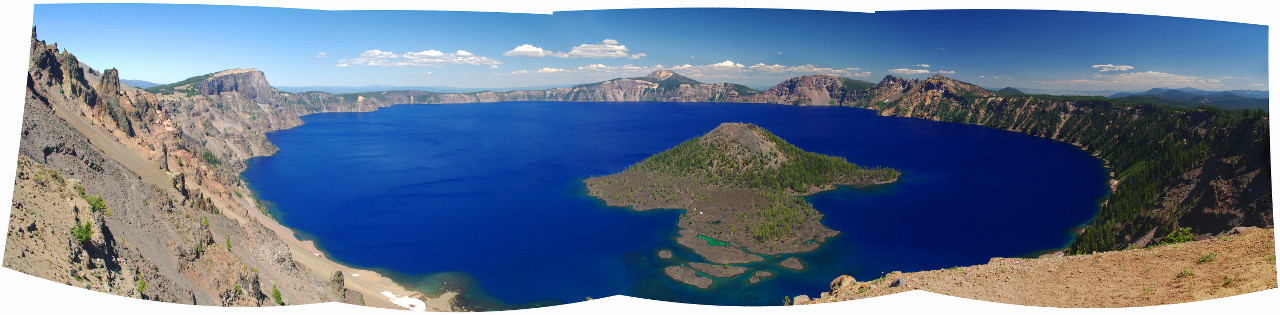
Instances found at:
x=712 y=241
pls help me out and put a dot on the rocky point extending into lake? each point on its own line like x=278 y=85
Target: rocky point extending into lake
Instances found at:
x=739 y=186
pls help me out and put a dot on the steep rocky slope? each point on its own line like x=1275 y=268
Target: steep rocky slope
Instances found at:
x=164 y=220
x=1205 y=169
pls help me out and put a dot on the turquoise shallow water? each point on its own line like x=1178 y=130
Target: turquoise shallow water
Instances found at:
x=488 y=197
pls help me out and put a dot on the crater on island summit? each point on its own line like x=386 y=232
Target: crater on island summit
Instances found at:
x=739 y=186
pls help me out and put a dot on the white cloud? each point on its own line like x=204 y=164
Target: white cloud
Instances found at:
x=322 y=54
x=809 y=69
x=726 y=64
x=430 y=58
x=725 y=69
x=946 y=72
x=531 y=51
x=543 y=70
x=908 y=71
x=607 y=48
x=923 y=65
x=1148 y=79
x=1111 y=67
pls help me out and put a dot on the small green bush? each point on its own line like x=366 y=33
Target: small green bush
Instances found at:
x=1185 y=273
x=210 y=158
x=84 y=232
x=1181 y=235
x=1207 y=258
x=275 y=294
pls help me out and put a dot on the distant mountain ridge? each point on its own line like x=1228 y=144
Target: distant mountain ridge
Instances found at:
x=380 y=88
x=1192 y=97
x=138 y=83
x=1011 y=91
x=1195 y=92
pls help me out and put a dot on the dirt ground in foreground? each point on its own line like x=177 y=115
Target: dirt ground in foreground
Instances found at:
x=1231 y=264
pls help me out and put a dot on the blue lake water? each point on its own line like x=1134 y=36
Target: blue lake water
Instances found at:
x=488 y=198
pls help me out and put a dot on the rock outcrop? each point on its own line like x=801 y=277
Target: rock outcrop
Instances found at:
x=128 y=201
x=250 y=83
x=806 y=90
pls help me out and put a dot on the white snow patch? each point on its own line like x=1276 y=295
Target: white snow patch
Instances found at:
x=412 y=304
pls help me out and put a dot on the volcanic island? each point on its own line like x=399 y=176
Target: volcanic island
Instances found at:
x=740 y=187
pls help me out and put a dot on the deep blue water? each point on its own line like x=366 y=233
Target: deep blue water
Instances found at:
x=488 y=197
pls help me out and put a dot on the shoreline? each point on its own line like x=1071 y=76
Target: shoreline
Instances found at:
x=367 y=282
x=380 y=291
x=308 y=248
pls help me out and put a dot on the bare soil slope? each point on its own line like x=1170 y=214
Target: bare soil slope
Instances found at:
x=1240 y=262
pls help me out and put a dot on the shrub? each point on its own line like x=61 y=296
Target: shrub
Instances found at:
x=1185 y=273
x=275 y=294
x=94 y=201
x=1207 y=258
x=84 y=232
x=210 y=158
x=1181 y=235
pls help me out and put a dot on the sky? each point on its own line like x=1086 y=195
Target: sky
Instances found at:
x=1041 y=50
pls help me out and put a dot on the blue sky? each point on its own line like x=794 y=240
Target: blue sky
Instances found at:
x=1048 y=50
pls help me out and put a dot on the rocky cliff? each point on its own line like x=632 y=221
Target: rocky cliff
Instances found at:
x=113 y=195
x=1205 y=169
x=249 y=83
x=807 y=90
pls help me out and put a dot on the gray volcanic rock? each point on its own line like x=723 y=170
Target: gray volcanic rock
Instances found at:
x=250 y=83
x=119 y=145
x=687 y=276
x=759 y=275
x=936 y=89
x=718 y=271
x=806 y=90
x=792 y=263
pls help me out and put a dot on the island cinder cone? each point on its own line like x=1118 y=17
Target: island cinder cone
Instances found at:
x=742 y=141
x=738 y=185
